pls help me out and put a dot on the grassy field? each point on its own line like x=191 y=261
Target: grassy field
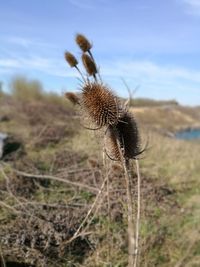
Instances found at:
x=49 y=184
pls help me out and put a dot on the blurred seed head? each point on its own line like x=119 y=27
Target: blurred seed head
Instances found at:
x=71 y=60
x=89 y=64
x=93 y=163
x=83 y=42
x=72 y=97
x=100 y=104
x=126 y=131
x=116 y=168
x=111 y=146
x=128 y=135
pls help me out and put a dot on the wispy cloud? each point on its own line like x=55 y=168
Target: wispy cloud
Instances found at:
x=91 y=4
x=53 y=67
x=147 y=70
x=83 y=4
x=192 y=6
x=9 y=63
x=24 y=42
x=154 y=79
x=144 y=71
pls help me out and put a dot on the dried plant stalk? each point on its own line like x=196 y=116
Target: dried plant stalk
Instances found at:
x=85 y=220
x=122 y=139
x=137 y=229
x=130 y=215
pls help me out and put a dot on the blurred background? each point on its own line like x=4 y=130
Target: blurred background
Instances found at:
x=151 y=44
x=52 y=168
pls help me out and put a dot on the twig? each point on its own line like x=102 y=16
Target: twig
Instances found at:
x=54 y=206
x=187 y=253
x=9 y=207
x=88 y=214
x=130 y=92
x=9 y=189
x=55 y=178
x=2 y=258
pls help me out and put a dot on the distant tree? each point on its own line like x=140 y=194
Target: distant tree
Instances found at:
x=24 y=89
x=1 y=87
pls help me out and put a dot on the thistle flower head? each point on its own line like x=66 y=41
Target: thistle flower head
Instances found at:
x=100 y=104
x=83 y=42
x=72 y=97
x=89 y=64
x=71 y=60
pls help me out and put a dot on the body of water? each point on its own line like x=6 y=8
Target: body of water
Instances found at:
x=189 y=134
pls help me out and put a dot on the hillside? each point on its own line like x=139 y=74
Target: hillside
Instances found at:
x=50 y=180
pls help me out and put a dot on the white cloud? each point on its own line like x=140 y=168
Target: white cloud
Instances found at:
x=140 y=71
x=155 y=80
x=24 y=42
x=83 y=4
x=45 y=65
x=9 y=63
x=91 y=4
x=24 y=55
x=148 y=71
x=192 y=6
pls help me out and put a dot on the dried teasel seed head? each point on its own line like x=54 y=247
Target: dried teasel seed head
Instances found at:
x=100 y=104
x=126 y=131
x=89 y=64
x=72 y=97
x=83 y=42
x=129 y=135
x=71 y=60
x=111 y=145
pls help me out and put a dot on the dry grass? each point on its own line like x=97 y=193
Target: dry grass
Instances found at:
x=38 y=214
x=167 y=119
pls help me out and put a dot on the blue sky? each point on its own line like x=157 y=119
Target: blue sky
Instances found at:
x=154 y=44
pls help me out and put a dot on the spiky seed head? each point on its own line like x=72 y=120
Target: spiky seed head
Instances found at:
x=129 y=135
x=126 y=131
x=100 y=104
x=89 y=64
x=71 y=60
x=111 y=145
x=83 y=42
x=72 y=97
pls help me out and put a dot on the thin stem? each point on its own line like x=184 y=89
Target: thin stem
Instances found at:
x=131 y=234
x=137 y=230
x=2 y=258
x=88 y=214
x=90 y=53
x=55 y=178
x=80 y=74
